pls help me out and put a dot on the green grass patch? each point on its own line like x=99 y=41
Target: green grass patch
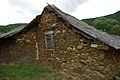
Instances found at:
x=28 y=72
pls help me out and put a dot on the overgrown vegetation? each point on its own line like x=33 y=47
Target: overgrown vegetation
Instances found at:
x=109 y=23
x=7 y=28
x=29 y=72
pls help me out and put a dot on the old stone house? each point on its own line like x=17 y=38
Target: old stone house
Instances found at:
x=60 y=39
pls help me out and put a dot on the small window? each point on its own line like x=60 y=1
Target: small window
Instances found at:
x=49 y=40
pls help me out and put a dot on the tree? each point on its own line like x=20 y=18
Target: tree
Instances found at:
x=104 y=24
x=116 y=30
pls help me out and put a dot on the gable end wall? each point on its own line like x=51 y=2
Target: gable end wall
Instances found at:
x=75 y=52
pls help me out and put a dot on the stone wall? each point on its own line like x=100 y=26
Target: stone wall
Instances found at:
x=20 y=47
x=87 y=58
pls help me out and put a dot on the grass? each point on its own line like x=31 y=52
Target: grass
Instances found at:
x=29 y=72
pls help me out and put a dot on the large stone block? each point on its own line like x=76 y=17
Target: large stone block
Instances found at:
x=98 y=68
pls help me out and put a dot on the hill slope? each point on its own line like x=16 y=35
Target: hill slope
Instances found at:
x=7 y=28
x=115 y=16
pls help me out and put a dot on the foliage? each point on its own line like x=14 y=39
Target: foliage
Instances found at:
x=104 y=24
x=116 y=30
x=114 y=16
x=89 y=21
x=7 y=28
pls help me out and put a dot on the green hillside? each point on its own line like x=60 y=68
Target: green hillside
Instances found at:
x=7 y=28
x=109 y=23
x=115 y=16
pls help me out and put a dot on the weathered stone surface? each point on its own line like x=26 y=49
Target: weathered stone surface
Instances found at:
x=28 y=41
x=94 y=45
x=81 y=40
x=72 y=60
x=54 y=24
x=116 y=78
x=78 y=55
x=61 y=51
x=34 y=37
x=57 y=58
x=69 y=48
x=101 y=55
x=74 y=48
x=107 y=69
x=57 y=31
x=64 y=31
x=103 y=47
x=98 y=68
x=79 y=47
x=19 y=39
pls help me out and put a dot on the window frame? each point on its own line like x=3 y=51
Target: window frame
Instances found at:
x=49 y=43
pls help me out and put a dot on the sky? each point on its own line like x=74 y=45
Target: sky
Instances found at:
x=24 y=11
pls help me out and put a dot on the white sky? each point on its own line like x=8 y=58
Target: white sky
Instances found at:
x=24 y=11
